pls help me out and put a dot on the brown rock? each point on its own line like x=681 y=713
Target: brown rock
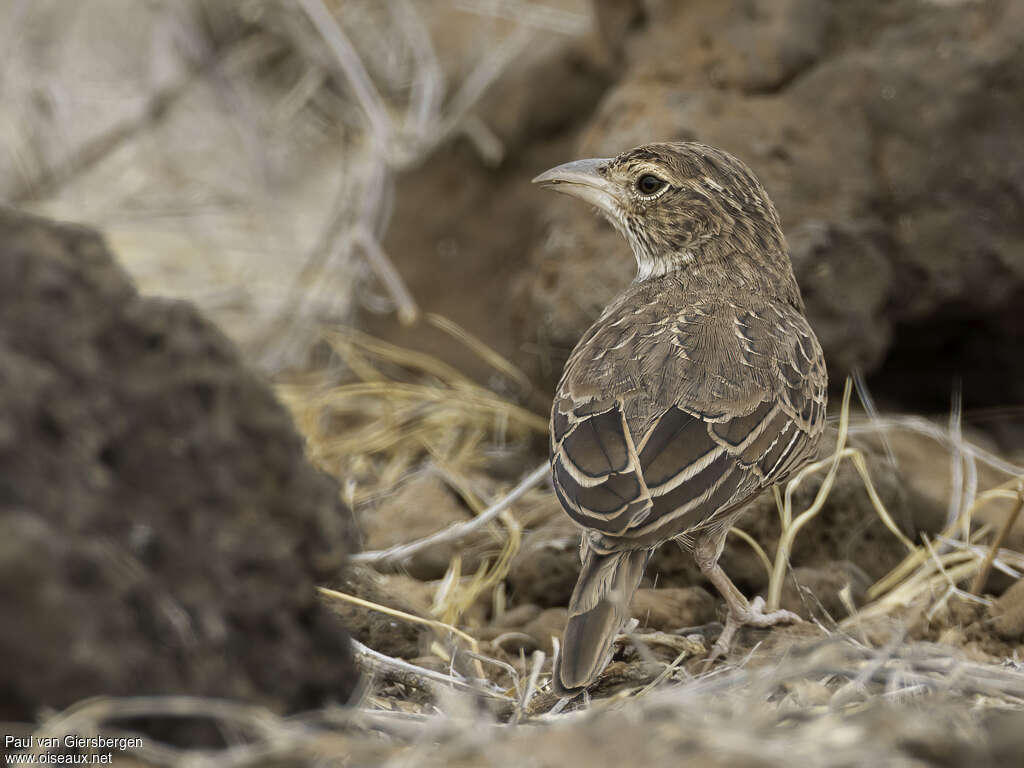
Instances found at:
x=924 y=469
x=672 y=608
x=533 y=628
x=519 y=616
x=380 y=631
x=972 y=628
x=483 y=215
x=814 y=592
x=842 y=109
x=748 y=45
x=1008 y=613
x=422 y=506
x=161 y=531
x=898 y=247
x=548 y=624
x=544 y=571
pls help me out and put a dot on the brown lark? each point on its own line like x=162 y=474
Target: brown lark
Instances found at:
x=698 y=388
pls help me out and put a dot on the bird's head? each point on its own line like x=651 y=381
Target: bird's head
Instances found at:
x=676 y=203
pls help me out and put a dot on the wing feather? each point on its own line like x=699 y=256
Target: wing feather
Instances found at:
x=661 y=424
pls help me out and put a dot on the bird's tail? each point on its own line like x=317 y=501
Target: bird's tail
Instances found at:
x=598 y=609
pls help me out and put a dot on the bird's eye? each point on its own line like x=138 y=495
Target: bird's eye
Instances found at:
x=648 y=184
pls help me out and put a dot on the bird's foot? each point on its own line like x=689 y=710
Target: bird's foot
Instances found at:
x=752 y=614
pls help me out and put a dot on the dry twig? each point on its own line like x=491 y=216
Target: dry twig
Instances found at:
x=458 y=530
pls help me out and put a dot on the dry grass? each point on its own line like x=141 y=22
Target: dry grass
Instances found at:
x=468 y=418
x=837 y=703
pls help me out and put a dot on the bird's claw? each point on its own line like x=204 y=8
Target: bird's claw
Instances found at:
x=757 y=617
x=751 y=615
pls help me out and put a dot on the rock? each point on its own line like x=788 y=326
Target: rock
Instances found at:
x=380 y=631
x=526 y=628
x=482 y=214
x=518 y=617
x=509 y=633
x=672 y=608
x=847 y=527
x=614 y=19
x=1008 y=613
x=422 y=506
x=814 y=592
x=981 y=633
x=548 y=624
x=925 y=472
x=161 y=530
x=518 y=111
x=754 y=47
x=897 y=245
x=545 y=569
x=844 y=111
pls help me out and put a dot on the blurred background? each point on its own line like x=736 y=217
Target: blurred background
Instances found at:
x=284 y=164
x=343 y=188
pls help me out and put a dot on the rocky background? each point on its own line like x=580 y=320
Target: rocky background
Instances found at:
x=318 y=308
x=886 y=133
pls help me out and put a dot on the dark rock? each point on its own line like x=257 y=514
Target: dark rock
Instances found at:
x=422 y=506
x=672 y=608
x=160 y=528
x=549 y=623
x=378 y=630
x=887 y=139
x=815 y=592
x=545 y=569
x=1008 y=613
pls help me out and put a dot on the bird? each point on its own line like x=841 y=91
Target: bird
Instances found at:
x=701 y=385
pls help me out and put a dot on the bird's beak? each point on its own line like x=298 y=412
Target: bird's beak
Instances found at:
x=582 y=179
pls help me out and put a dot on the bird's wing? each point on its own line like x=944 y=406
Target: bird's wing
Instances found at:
x=662 y=422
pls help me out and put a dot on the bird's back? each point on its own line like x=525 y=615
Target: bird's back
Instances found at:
x=685 y=398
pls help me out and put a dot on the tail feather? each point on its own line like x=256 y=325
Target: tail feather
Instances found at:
x=598 y=609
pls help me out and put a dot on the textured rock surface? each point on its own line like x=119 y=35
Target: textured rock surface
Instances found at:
x=885 y=133
x=160 y=527
x=545 y=569
x=422 y=506
x=1008 y=613
x=672 y=608
x=815 y=592
x=378 y=630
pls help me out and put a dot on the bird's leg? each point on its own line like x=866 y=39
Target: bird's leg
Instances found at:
x=741 y=612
